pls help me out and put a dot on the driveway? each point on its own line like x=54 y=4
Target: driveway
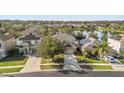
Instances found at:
x=70 y=62
x=32 y=65
x=117 y=66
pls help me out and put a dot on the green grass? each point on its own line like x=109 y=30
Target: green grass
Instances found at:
x=10 y=70
x=46 y=67
x=96 y=67
x=80 y=57
x=13 y=61
x=121 y=60
x=111 y=30
x=58 y=59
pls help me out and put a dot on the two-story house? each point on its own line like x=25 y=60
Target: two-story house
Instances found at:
x=67 y=38
x=28 y=41
x=116 y=43
x=6 y=43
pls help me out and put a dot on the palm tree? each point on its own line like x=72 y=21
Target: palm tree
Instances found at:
x=103 y=46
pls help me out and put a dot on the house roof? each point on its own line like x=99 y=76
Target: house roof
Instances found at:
x=88 y=40
x=30 y=34
x=64 y=37
x=5 y=37
x=119 y=37
x=88 y=43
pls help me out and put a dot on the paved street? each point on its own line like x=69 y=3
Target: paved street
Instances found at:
x=72 y=74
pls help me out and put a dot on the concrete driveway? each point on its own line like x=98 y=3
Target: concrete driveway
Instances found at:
x=70 y=62
x=32 y=65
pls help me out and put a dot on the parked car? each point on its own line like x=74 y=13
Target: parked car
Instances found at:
x=111 y=59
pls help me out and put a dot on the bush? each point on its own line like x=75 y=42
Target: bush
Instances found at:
x=13 y=52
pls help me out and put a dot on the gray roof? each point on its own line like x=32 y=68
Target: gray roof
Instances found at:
x=5 y=37
x=30 y=34
x=119 y=37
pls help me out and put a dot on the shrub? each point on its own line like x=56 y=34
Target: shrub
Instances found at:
x=13 y=52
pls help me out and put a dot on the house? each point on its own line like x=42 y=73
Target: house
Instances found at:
x=28 y=41
x=67 y=38
x=6 y=43
x=116 y=43
x=87 y=44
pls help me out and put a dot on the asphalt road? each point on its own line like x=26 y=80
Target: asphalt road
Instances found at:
x=72 y=74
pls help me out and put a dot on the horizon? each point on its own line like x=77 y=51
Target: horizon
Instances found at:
x=64 y=17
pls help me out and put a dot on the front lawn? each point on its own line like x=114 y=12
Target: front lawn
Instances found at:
x=57 y=59
x=100 y=67
x=121 y=60
x=80 y=58
x=47 y=67
x=13 y=61
x=10 y=70
x=96 y=67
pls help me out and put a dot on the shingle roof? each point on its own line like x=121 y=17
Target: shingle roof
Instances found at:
x=30 y=34
x=5 y=37
x=119 y=37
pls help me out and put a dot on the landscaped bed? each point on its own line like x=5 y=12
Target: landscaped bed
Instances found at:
x=47 y=67
x=10 y=70
x=13 y=61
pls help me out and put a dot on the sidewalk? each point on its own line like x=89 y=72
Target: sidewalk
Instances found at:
x=32 y=65
x=11 y=66
x=78 y=63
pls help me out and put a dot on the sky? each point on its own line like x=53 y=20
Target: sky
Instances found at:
x=63 y=17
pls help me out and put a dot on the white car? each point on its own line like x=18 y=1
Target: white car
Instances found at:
x=111 y=59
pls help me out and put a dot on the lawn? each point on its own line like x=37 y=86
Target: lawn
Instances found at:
x=10 y=70
x=46 y=67
x=121 y=60
x=80 y=58
x=58 y=59
x=111 y=30
x=13 y=61
x=96 y=67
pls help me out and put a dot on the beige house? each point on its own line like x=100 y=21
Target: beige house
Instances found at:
x=6 y=43
x=88 y=44
x=67 y=38
x=116 y=43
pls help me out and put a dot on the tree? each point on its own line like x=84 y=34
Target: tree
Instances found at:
x=80 y=35
x=104 y=46
x=50 y=46
x=93 y=35
x=0 y=25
